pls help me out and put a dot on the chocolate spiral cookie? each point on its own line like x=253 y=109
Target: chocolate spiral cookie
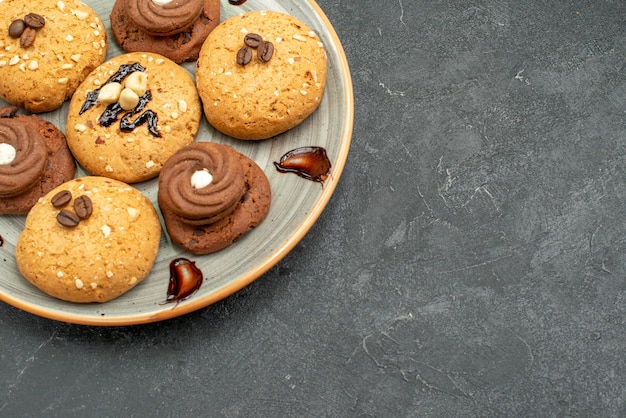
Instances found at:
x=25 y=156
x=175 y=29
x=34 y=158
x=202 y=184
x=210 y=195
x=163 y=17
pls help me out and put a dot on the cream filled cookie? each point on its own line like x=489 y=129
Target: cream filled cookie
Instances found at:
x=34 y=158
x=131 y=114
x=260 y=74
x=102 y=238
x=173 y=28
x=210 y=195
x=48 y=48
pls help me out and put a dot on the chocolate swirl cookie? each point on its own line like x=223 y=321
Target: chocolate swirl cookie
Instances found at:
x=175 y=29
x=202 y=184
x=164 y=17
x=29 y=160
x=197 y=188
x=34 y=159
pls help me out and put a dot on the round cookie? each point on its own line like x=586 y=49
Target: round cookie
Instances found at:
x=210 y=195
x=34 y=159
x=262 y=98
x=41 y=67
x=132 y=145
x=175 y=29
x=102 y=256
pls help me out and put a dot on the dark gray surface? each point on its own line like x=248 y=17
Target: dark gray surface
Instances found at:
x=471 y=263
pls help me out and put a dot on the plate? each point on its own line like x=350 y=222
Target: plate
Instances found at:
x=296 y=202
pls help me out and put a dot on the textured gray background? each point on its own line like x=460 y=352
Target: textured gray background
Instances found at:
x=471 y=263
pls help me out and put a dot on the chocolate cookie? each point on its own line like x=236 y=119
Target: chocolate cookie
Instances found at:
x=210 y=195
x=101 y=239
x=260 y=74
x=48 y=48
x=131 y=114
x=173 y=28
x=34 y=159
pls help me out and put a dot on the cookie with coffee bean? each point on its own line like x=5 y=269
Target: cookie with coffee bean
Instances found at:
x=210 y=195
x=131 y=114
x=47 y=49
x=173 y=28
x=34 y=159
x=102 y=239
x=260 y=74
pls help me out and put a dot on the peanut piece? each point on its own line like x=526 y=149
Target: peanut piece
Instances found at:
x=138 y=82
x=109 y=93
x=128 y=99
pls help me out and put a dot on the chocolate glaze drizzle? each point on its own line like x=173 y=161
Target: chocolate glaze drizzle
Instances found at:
x=236 y=2
x=310 y=163
x=117 y=77
x=112 y=111
x=185 y=280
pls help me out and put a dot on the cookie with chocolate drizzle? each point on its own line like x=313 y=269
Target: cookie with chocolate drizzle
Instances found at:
x=34 y=159
x=131 y=114
x=210 y=195
x=173 y=28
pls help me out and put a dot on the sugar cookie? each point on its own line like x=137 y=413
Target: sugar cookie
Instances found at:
x=48 y=48
x=260 y=74
x=101 y=239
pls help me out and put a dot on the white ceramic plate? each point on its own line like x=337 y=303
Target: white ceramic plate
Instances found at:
x=296 y=203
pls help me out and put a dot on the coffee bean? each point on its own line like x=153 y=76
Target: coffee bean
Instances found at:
x=244 y=56
x=35 y=21
x=16 y=28
x=68 y=218
x=252 y=40
x=28 y=37
x=265 y=51
x=83 y=207
x=61 y=199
